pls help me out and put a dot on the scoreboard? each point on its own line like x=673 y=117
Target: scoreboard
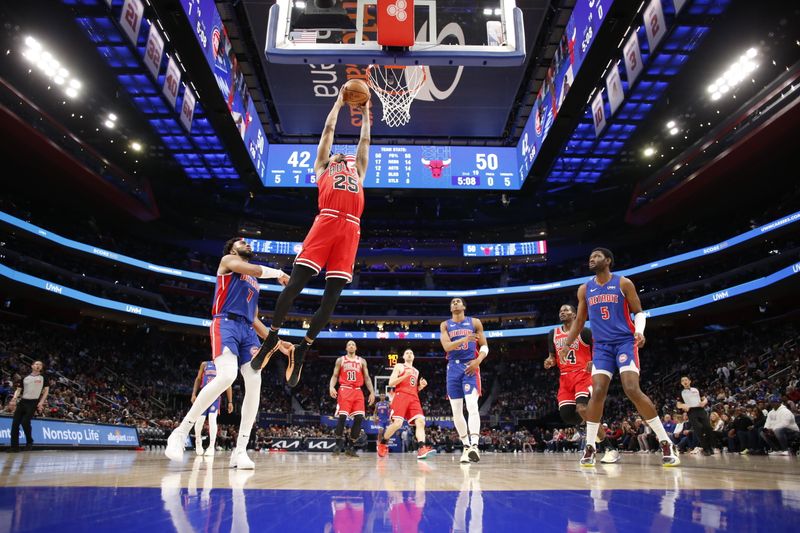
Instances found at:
x=404 y=167
x=505 y=249
x=260 y=246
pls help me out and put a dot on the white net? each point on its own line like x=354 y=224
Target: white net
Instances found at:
x=396 y=87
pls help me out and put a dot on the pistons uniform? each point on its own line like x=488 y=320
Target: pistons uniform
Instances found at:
x=233 y=312
x=614 y=345
x=350 y=399
x=332 y=242
x=383 y=412
x=208 y=374
x=459 y=383
x=575 y=382
x=406 y=404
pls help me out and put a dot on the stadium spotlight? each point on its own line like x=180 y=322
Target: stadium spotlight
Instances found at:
x=649 y=151
x=50 y=66
x=670 y=124
x=734 y=74
x=674 y=130
x=136 y=146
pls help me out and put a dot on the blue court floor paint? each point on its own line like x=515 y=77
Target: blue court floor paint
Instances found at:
x=177 y=508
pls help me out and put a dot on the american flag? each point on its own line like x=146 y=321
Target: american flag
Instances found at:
x=299 y=37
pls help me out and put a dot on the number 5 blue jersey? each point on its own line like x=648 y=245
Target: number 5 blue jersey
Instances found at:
x=608 y=311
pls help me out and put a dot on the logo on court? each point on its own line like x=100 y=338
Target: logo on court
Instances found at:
x=398 y=10
x=623 y=358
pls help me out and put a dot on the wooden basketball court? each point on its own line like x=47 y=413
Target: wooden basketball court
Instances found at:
x=125 y=490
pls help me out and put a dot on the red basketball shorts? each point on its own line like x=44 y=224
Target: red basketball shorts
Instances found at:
x=574 y=385
x=407 y=407
x=332 y=243
x=350 y=402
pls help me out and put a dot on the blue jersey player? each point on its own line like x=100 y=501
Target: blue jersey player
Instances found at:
x=461 y=336
x=608 y=300
x=206 y=373
x=234 y=341
x=382 y=415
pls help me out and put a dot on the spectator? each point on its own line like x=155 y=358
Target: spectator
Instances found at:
x=780 y=428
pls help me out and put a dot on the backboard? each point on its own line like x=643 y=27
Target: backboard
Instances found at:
x=445 y=32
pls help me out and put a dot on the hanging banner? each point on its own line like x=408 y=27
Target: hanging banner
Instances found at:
x=154 y=51
x=633 y=58
x=654 y=23
x=598 y=113
x=131 y=18
x=187 y=109
x=172 y=81
x=614 y=88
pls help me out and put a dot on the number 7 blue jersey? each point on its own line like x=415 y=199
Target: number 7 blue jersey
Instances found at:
x=608 y=311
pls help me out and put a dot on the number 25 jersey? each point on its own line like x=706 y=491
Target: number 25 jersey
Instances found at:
x=340 y=189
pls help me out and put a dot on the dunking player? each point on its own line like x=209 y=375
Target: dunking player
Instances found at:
x=575 y=383
x=331 y=243
x=382 y=415
x=460 y=337
x=608 y=300
x=351 y=371
x=205 y=374
x=406 y=406
x=234 y=327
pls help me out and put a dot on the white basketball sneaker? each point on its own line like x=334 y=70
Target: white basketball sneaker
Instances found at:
x=175 y=445
x=240 y=460
x=610 y=457
x=474 y=454
x=465 y=455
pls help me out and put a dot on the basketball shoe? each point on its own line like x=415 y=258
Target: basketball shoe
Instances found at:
x=610 y=457
x=474 y=454
x=383 y=450
x=424 y=452
x=588 y=456
x=295 y=364
x=240 y=460
x=670 y=454
x=266 y=351
x=465 y=455
x=175 y=445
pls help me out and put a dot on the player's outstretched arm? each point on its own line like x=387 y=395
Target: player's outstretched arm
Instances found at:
x=198 y=381
x=234 y=263
x=332 y=384
x=635 y=306
x=578 y=323
x=362 y=152
x=326 y=140
x=367 y=381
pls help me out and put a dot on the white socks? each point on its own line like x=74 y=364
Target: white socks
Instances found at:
x=591 y=433
x=474 y=417
x=226 y=374
x=656 y=425
x=252 y=397
x=459 y=421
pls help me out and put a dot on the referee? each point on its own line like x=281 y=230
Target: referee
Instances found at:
x=694 y=405
x=30 y=396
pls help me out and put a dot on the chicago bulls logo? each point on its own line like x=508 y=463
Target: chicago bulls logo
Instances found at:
x=436 y=165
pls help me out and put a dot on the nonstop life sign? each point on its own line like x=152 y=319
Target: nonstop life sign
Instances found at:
x=60 y=433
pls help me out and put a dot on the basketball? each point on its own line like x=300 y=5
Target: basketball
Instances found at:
x=355 y=92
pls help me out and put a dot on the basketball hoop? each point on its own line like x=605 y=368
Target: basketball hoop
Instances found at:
x=396 y=87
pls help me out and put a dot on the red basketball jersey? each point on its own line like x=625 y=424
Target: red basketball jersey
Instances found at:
x=408 y=385
x=340 y=189
x=350 y=373
x=579 y=354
